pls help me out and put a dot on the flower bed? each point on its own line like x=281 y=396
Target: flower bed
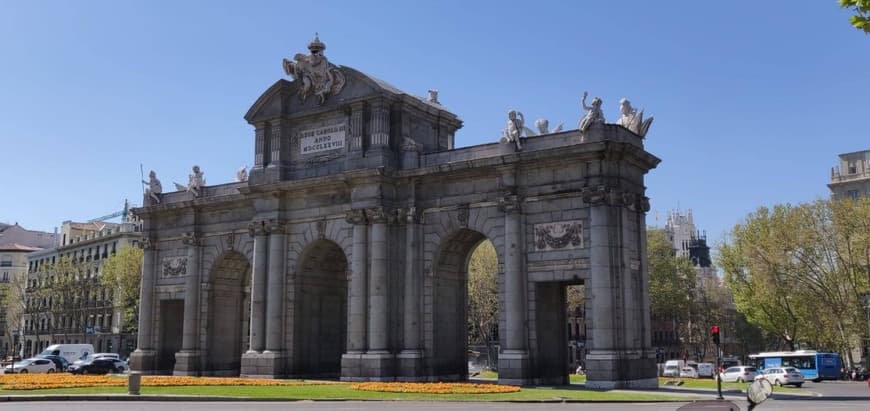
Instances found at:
x=46 y=381
x=435 y=388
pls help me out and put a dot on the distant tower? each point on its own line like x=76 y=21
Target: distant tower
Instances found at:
x=690 y=243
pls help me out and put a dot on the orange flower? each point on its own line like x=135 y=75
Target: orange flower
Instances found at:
x=46 y=381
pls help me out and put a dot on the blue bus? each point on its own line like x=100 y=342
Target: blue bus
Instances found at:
x=816 y=366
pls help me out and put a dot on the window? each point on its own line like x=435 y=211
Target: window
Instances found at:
x=6 y=261
x=852 y=194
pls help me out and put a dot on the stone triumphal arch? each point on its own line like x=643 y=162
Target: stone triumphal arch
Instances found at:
x=344 y=252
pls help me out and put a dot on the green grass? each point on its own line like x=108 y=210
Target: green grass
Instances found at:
x=711 y=384
x=343 y=391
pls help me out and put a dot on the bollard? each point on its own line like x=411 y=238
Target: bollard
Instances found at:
x=134 y=381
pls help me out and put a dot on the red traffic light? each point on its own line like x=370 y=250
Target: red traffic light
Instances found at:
x=714 y=330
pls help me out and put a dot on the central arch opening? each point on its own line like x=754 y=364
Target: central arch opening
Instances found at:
x=465 y=305
x=229 y=315
x=321 y=310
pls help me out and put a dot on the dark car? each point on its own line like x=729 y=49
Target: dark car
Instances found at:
x=59 y=362
x=98 y=366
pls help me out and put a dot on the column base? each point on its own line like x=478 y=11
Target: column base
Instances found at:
x=410 y=366
x=614 y=369
x=187 y=363
x=266 y=364
x=368 y=366
x=143 y=361
x=513 y=367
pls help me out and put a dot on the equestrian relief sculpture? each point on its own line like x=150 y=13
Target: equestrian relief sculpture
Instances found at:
x=319 y=77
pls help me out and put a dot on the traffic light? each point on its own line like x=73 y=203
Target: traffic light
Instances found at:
x=714 y=330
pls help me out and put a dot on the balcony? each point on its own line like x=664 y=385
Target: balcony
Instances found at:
x=837 y=177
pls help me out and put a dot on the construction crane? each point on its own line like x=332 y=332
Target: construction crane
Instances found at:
x=123 y=213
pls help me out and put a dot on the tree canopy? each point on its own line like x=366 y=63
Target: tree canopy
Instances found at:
x=122 y=272
x=800 y=272
x=861 y=18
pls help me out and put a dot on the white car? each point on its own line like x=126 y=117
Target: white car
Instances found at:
x=741 y=373
x=688 y=372
x=784 y=376
x=31 y=365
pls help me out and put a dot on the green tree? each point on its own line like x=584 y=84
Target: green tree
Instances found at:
x=122 y=273
x=672 y=282
x=861 y=18
x=799 y=272
x=483 y=297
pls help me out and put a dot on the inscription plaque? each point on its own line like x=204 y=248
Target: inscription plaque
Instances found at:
x=326 y=138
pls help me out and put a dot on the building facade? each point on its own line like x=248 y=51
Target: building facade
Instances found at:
x=80 y=309
x=851 y=179
x=13 y=267
x=344 y=252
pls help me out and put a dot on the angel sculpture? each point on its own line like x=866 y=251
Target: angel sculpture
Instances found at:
x=154 y=187
x=632 y=120
x=514 y=130
x=196 y=181
x=543 y=127
x=242 y=174
x=594 y=114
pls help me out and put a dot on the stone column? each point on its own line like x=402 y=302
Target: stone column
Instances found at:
x=275 y=353
x=144 y=356
x=277 y=278
x=187 y=360
x=514 y=358
x=258 y=287
x=379 y=124
x=378 y=287
x=410 y=359
x=358 y=298
x=357 y=127
x=378 y=361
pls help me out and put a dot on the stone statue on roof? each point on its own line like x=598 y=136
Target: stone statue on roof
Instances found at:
x=154 y=187
x=242 y=174
x=633 y=120
x=195 y=183
x=514 y=130
x=594 y=114
x=319 y=77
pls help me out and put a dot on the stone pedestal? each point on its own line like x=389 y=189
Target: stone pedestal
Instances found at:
x=621 y=369
x=267 y=364
x=410 y=366
x=187 y=363
x=513 y=368
x=351 y=367
x=377 y=366
x=143 y=361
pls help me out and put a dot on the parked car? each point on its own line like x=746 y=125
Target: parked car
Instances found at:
x=99 y=366
x=784 y=376
x=672 y=368
x=741 y=373
x=31 y=365
x=60 y=363
x=688 y=372
x=99 y=355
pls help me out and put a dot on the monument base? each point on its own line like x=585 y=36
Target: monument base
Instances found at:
x=187 y=363
x=621 y=369
x=266 y=364
x=513 y=367
x=411 y=366
x=144 y=361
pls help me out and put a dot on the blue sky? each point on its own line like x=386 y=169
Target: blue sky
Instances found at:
x=753 y=100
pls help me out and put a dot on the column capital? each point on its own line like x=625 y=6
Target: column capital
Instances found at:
x=381 y=215
x=509 y=203
x=147 y=244
x=356 y=216
x=257 y=228
x=275 y=226
x=191 y=238
x=410 y=215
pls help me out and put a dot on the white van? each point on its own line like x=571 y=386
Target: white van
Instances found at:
x=71 y=352
x=673 y=367
x=706 y=370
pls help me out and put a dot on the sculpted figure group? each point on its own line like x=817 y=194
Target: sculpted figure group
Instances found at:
x=319 y=77
x=630 y=118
